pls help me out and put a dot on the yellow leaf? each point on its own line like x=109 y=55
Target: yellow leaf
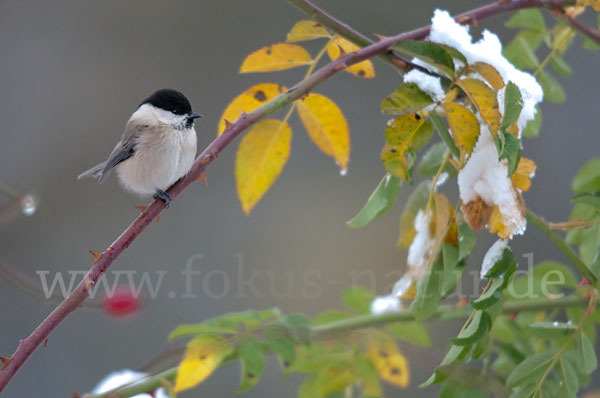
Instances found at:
x=521 y=178
x=326 y=126
x=463 y=124
x=404 y=135
x=306 y=30
x=443 y=213
x=248 y=101
x=496 y=226
x=275 y=57
x=388 y=361
x=263 y=152
x=202 y=356
x=484 y=99
x=362 y=69
x=496 y=223
x=489 y=73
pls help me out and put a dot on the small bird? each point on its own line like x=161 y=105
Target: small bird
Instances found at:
x=156 y=149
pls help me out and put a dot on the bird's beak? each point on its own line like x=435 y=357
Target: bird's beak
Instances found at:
x=194 y=115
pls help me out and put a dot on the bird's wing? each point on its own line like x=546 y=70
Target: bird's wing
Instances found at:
x=125 y=148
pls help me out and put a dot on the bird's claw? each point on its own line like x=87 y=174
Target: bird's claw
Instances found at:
x=165 y=197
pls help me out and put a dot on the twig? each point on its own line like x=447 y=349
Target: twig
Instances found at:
x=589 y=32
x=562 y=245
x=79 y=294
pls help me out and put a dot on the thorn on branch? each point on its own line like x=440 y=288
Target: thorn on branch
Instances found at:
x=342 y=51
x=5 y=361
x=46 y=342
x=96 y=255
x=202 y=177
x=380 y=37
x=228 y=124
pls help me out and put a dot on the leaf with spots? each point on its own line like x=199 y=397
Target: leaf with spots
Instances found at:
x=252 y=357
x=484 y=99
x=279 y=56
x=260 y=158
x=306 y=30
x=464 y=126
x=407 y=98
x=403 y=136
x=248 y=101
x=389 y=362
x=326 y=126
x=202 y=356
x=363 y=69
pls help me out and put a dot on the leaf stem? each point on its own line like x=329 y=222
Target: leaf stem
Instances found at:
x=544 y=227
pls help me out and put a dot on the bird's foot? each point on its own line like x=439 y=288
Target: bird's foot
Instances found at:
x=160 y=194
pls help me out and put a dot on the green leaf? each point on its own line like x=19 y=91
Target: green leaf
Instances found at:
x=560 y=67
x=509 y=147
x=532 y=128
x=568 y=381
x=380 y=201
x=428 y=293
x=586 y=353
x=555 y=274
x=432 y=160
x=412 y=332
x=466 y=240
x=416 y=201
x=278 y=339
x=407 y=98
x=521 y=51
x=358 y=299
x=590 y=44
x=252 y=358
x=432 y=53
x=591 y=199
x=553 y=91
x=506 y=261
x=491 y=296
x=453 y=268
x=476 y=329
x=552 y=330
x=298 y=326
x=531 y=369
x=530 y=18
x=370 y=385
x=455 y=353
x=588 y=177
x=513 y=104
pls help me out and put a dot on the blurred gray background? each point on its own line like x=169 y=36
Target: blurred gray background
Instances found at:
x=71 y=74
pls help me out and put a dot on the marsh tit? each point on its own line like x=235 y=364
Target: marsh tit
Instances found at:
x=156 y=149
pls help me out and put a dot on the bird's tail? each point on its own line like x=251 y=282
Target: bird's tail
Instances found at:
x=95 y=172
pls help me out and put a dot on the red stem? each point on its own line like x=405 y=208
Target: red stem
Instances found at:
x=79 y=294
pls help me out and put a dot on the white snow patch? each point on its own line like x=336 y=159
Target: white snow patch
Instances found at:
x=122 y=377
x=431 y=85
x=401 y=286
x=487 y=177
x=417 y=252
x=385 y=304
x=492 y=256
x=445 y=30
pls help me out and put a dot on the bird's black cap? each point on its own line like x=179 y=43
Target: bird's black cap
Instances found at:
x=169 y=100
